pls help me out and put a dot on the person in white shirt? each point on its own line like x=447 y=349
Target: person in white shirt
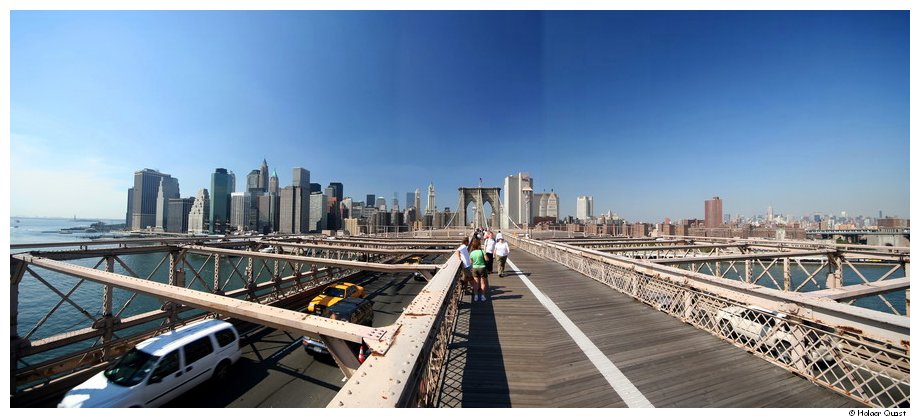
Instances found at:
x=463 y=252
x=501 y=252
x=490 y=250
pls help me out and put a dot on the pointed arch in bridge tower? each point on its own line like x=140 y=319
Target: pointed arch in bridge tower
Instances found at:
x=478 y=196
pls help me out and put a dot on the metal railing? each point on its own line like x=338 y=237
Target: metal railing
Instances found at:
x=859 y=353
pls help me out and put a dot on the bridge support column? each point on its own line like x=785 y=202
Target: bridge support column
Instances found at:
x=834 y=276
x=216 y=289
x=176 y=278
x=106 y=322
x=748 y=274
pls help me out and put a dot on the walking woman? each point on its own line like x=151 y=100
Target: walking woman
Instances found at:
x=480 y=285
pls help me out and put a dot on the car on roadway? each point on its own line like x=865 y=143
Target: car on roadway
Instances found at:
x=769 y=331
x=161 y=368
x=334 y=294
x=354 y=310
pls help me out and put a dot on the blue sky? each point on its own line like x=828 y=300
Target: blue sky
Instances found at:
x=650 y=112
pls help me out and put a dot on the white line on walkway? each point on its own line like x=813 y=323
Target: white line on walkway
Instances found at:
x=627 y=391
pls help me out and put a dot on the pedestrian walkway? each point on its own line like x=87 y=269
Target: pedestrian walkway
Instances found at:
x=511 y=351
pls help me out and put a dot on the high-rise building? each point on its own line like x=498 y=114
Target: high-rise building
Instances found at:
x=221 y=186
x=547 y=206
x=381 y=203
x=254 y=181
x=410 y=200
x=232 y=188
x=128 y=213
x=517 y=201
x=301 y=178
x=317 y=212
x=370 y=200
x=199 y=215
x=432 y=206
x=346 y=204
x=552 y=206
x=178 y=214
x=395 y=203
x=294 y=210
x=169 y=189
x=339 y=190
x=332 y=210
x=263 y=176
x=417 y=204
x=770 y=213
x=273 y=183
x=144 y=198
x=584 y=207
x=269 y=214
x=242 y=215
x=713 y=212
x=316 y=188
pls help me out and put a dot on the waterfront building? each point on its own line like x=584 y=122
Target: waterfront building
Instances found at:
x=263 y=176
x=144 y=197
x=254 y=181
x=243 y=215
x=273 y=183
x=179 y=209
x=301 y=178
x=130 y=209
x=199 y=215
x=269 y=214
x=517 y=200
x=713 y=208
x=221 y=188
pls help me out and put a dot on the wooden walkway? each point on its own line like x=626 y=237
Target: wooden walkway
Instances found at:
x=511 y=352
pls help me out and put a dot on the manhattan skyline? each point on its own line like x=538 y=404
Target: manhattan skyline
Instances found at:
x=650 y=113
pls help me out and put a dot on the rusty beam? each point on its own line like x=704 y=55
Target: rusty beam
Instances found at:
x=748 y=256
x=386 y=268
x=860 y=290
x=356 y=249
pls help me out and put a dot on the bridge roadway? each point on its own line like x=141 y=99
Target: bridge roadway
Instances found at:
x=512 y=352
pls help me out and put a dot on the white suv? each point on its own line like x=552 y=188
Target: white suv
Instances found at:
x=756 y=325
x=161 y=368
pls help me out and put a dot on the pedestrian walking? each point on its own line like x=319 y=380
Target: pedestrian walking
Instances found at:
x=480 y=285
x=490 y=250
x=502 y=250
x=466 y=264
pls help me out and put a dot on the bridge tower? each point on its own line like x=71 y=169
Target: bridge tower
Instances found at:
x=478 y=196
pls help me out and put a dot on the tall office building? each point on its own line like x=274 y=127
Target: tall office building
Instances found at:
x=221 y=186
x=144 y=198
x=263 y=176
x=131 y=208
x=294 y=210
x=273 y=183
x=552 y=205
x=199 y=215
x=169 y=189
x=371 y=200
x=243 y=215
x=395 y=203
x=713 y=212
x=339 y=190
x=317 y=212
x=254 y=181
x=417 y=204
x=269 y=215
x=301 y=178
x=333 y=214
x=346 y=204
x=410 y=200
x=769 y=213
x=432 y=207
x=584 y=207
x=316 y=188
x=178 y=214
x=381 y=203
x=232 y=188
x=516 y=203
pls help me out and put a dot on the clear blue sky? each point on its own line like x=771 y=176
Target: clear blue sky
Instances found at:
x=649 y=112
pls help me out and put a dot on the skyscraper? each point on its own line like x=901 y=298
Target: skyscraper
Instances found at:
x=269 y=216
x=410 y=200
x=381 y=203
x=232 y=188
x=199 y=215
x=221 y=185
x=169 y=189
x=240 y=214
x=432 y=207
x=128 y=213
x=263 y=176
x=144 y=198
x=273 y=184
x=339 y=190
x=769 y=213
x=301 y=178
x=552 y=206
x=517 y=200
x=294 y=210
x=371 y=200
x=417 y=202
x=178 y=214
x=584 y=207
x=254 y=181
x=316 y=188
x=317 y=212
x=713 y=209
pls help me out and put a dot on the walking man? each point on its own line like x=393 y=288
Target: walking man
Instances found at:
x=501 y=251
x=490 y=250
x=466 y=264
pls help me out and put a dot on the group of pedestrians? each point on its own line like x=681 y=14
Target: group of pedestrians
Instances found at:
x=478 y=259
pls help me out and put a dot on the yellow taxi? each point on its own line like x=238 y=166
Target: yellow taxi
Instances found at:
x=332 y=295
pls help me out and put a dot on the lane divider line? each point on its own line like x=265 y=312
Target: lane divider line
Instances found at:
x=617 y=380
